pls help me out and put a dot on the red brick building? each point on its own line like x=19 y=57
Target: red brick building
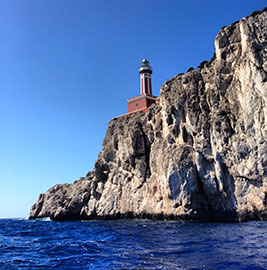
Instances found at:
x=146 y=98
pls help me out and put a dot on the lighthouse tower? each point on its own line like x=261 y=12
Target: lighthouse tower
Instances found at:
x=146 y=98
x=145 y=72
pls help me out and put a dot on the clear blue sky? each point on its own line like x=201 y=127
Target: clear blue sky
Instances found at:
x=68 y=67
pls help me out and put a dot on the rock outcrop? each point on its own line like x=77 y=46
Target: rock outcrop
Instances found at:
x=201 y=153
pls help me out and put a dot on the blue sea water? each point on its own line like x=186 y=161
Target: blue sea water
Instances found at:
x=132 y=244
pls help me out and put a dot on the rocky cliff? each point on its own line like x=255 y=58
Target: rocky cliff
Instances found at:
x=201 y=153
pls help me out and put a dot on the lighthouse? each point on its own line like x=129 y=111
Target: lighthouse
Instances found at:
x=146 y=98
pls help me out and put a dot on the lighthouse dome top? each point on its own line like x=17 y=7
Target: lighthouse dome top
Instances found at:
x=145 y=67
x=145 y=62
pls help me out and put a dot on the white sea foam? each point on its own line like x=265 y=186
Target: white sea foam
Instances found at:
x=44 y=219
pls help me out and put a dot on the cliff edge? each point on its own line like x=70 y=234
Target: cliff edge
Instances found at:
x=201 y=153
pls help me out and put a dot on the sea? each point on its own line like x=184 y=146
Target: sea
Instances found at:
x=132 y=244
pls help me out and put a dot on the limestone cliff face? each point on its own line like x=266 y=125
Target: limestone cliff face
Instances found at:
x=201 y=153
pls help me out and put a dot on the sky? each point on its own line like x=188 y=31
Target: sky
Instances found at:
x=68 y=67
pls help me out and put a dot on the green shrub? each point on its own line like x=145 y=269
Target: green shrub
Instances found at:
x=213 y=57
x=202 y=64
x=255 y=13
x=235 y=22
